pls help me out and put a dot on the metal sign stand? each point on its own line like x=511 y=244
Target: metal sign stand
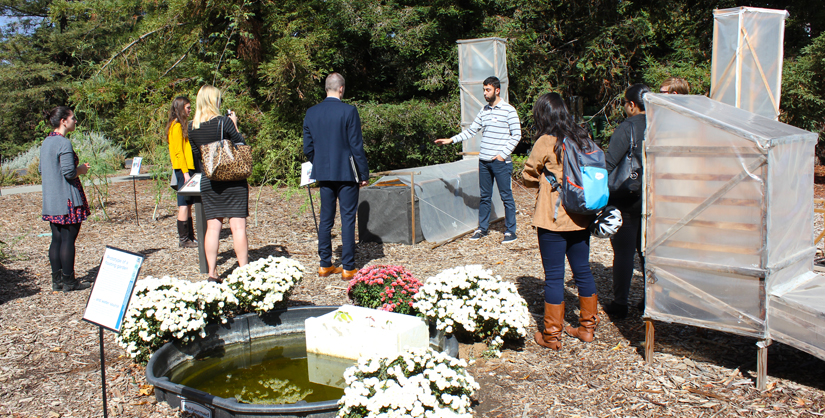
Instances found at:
x=103 y=374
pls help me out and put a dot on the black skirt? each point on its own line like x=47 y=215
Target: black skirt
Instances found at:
x=225 y=199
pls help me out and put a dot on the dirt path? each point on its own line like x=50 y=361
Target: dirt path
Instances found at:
x=49 y=357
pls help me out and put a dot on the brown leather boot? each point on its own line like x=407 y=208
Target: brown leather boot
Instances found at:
x=588 y=319
x=553 y=321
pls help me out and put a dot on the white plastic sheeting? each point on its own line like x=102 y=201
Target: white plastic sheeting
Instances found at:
x=448 y=198
x=477 y=60
x=746 y=69
x=729 y=204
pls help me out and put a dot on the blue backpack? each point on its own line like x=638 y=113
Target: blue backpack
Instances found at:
x=583 y=190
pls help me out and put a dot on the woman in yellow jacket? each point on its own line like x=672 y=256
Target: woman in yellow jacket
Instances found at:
x=177 y=135
x=567 y=233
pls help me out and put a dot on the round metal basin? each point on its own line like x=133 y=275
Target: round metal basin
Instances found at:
x=238 y=330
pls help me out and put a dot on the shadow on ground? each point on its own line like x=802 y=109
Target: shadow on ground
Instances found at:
x=16 y=284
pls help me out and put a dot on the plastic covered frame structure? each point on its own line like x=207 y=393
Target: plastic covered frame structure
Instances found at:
x=746 y=69
x=447 y=196
x=477 y=60
x=729 y=221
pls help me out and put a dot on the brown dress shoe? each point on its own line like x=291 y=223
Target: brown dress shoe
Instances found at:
x=349 y=274
x=326 y=271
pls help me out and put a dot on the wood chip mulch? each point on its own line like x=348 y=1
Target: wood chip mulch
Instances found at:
x=49 y=357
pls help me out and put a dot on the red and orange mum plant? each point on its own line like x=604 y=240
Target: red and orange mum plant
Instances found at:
x=387 y=288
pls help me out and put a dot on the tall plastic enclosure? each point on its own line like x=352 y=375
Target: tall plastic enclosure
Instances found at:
x=477 y=60
x=746 y=69
x=729 y=204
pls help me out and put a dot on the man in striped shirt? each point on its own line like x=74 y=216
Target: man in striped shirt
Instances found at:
x=500 y=133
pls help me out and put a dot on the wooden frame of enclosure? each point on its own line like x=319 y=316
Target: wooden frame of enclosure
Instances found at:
x=757 y=164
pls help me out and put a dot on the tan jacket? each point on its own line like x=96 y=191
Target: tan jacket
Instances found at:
x=543 y=158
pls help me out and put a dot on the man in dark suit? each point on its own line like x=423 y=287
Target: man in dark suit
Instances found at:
x=334 y=146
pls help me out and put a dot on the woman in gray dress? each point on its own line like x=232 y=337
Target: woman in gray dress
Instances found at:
x=64 y=203
x=221 y=199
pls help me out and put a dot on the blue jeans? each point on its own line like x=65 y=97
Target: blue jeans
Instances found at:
x=553 y=247
x=346 y=193
x=500 y=171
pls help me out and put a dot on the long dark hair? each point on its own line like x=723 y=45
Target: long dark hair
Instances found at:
x=56 y=115
x=551 y=116
x=176 y=114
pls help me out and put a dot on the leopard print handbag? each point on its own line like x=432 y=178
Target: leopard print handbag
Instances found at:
x=226 y=161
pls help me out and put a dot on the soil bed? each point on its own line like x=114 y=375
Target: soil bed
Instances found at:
x=49 y=365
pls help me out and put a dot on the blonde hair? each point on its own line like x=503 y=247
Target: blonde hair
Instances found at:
x=208 y=105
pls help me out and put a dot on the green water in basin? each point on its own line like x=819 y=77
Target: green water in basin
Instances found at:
x=273 y=370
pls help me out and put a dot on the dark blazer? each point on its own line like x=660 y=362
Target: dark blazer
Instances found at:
x=333 y=142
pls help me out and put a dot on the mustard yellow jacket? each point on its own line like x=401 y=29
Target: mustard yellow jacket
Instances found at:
x=543 y=158
x=179 y=149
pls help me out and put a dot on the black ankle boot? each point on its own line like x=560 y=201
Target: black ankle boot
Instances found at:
x=183 y=236
x=616 y=311
x=57 y=281
x=71 y=283
x=190 y=228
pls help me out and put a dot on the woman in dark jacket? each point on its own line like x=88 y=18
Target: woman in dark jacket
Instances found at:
x=64 y=202
x=221 y=199
x=628 y=240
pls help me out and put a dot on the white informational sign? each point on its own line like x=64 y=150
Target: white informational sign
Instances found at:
x=135 y=166
x=193 y=186
x=113 y=288
x=306 y=170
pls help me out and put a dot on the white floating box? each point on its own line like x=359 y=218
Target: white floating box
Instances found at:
x=352 y=332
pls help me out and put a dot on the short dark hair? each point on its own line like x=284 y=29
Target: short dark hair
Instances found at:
x=492 y=81
x=57 y=114
x=635 y=93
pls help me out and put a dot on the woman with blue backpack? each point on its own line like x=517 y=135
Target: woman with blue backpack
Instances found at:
x=561 y=232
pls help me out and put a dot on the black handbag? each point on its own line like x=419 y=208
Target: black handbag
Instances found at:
x=626 y=178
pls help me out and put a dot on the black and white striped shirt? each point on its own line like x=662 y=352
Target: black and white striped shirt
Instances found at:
x=501 y=131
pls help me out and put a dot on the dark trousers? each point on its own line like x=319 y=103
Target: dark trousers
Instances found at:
x=554 y=246
x=626 y=243
x=62 y=248
x=501 y=172
x=346 y=194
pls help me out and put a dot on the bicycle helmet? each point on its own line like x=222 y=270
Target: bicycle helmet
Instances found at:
x=607 y=222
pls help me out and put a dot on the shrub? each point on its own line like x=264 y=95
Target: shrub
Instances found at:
x=387 y=288
x=22 y=160
x=470 y=300
x=416 y=383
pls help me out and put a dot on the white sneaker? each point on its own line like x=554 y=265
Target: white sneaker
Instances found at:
x=477 y=235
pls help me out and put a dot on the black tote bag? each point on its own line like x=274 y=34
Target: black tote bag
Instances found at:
x=626 y=179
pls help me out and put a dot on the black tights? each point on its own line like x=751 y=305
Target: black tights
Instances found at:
x=61 y=252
